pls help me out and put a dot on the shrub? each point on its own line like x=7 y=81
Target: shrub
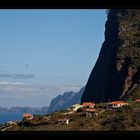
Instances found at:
x=62 y=111
x=80 y=109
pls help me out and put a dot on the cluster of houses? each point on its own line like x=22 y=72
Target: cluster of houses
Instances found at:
x=89 y=108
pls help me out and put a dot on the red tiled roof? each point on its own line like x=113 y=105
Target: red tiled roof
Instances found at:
x=118 y=102
x=91 y=110
x=138 y=100
x=88 y=104
x=27 y=115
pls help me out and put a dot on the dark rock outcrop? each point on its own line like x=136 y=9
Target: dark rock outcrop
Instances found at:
x=66 y=100
x=116 y=72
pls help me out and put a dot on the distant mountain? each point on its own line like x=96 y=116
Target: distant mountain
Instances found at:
x=116 y=74
x=60 y=102
x=3 y=109
x=33 y=110
x=66 y=100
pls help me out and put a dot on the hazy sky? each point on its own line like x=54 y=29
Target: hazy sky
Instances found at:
x=44 y=53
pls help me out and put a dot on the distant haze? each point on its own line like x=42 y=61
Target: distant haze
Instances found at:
x=44 y=53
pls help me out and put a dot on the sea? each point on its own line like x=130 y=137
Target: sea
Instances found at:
x=5 y=117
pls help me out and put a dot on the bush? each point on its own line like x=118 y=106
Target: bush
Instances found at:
x=63 y=111
x=80 y=109
x=100 y=105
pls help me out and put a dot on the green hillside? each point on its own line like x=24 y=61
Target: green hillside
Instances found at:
x=125 y=118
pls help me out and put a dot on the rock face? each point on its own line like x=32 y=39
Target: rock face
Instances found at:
x=116 y=73
x=66 y=100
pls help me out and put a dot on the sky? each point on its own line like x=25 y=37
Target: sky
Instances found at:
x=46 y=52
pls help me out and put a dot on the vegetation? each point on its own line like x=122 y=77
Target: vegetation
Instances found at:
x=80 y=109
x=100 y=105
x=125 y=118
x=135 y=94
x=129 y=34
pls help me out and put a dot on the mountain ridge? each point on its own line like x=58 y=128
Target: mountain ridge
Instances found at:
x=18 y=109
x=66 y=100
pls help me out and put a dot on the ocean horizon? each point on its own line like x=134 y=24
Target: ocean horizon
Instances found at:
x=5 y=117
x=8 y=116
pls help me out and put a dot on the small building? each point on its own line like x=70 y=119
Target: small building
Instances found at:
x=11 y=123
x=91 y=112
x=27 y=116
x=2 y=126
x=88 y=104
x=116 y=104
x=63 y=121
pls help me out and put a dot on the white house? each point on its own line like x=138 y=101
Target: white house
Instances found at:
x=11 y=123
x=63 y=121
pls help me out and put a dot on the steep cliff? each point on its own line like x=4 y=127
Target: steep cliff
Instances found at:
x=116 y=74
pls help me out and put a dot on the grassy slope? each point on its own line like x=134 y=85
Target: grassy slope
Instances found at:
x=122 y=119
